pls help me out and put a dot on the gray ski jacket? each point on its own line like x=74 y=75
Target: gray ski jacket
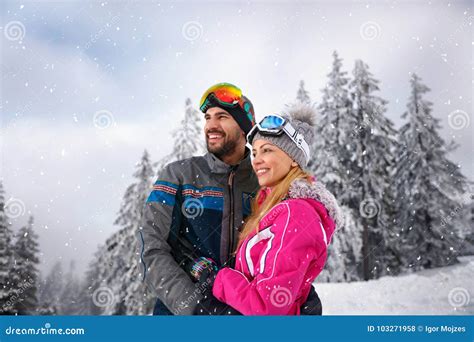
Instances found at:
x=196 y=208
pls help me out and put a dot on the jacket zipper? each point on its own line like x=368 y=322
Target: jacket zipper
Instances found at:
x=231 y=214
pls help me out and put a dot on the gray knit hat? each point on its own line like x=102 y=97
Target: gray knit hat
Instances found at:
x=301 y=116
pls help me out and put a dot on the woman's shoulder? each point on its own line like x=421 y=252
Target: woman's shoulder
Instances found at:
x=293 y=208
x=302 y=208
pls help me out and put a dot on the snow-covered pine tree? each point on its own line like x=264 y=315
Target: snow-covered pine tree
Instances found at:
x=188 y=137
x=333 y=128
x=302 y=95
x=51 y=288
x=468 y=221
x=71 y=291
x=119 y=260
x=330 y=161
x=44 y=309
x=25 y=251
x=134 y=291
x=344 y=252
x=95 y=278
x=430 y=188
x=371 y=150
x=7 y=278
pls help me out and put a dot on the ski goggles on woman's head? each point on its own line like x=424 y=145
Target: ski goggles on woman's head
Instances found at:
x=276 y=125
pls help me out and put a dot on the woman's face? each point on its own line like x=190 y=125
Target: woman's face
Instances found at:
x=270 y=163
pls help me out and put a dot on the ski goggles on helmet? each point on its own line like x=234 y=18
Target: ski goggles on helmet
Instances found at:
x=226 y=95
x=277 y=125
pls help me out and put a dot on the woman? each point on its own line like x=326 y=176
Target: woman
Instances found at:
x=283 y=245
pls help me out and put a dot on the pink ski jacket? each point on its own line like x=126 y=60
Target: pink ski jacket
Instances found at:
x=275 y=267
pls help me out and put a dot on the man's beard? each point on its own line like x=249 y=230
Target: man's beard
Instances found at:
x=225 y=149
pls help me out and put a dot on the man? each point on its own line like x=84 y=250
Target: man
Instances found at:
x=193 y=215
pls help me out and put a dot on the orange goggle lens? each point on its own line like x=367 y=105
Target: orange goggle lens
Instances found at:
x=225 y=92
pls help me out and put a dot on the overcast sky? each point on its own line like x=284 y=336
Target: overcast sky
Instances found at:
x=131 y=64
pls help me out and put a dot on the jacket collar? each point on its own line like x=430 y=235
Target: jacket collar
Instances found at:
x=316 y=190
x=218 y=166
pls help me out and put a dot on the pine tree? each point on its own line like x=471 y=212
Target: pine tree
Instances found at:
x=25 y=253
x=51 y=288
x=70 y=295
x=130 y=214
x=7 y=293
x=136 y=194
x=188 y=137
x=96 y=279
x=371 y=150
x=333 y=129
x=344 y=252
x=330 y=164
x=44 y=308
x=430 y=188
x=302 y=94
x=117 y=269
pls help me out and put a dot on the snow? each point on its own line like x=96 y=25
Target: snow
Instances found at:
x=439 y=291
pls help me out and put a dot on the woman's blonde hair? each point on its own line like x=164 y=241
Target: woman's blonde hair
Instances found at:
x=278 y=193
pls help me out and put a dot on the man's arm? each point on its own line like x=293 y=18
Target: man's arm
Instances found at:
x=164 y=277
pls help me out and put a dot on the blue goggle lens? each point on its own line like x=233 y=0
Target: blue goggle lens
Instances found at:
x=271 y=122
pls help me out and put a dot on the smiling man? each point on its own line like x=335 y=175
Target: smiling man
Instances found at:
x=193 y=215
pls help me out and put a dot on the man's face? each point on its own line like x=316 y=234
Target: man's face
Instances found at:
x=223 y=134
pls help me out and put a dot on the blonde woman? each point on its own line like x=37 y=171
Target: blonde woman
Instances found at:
x=283 y=244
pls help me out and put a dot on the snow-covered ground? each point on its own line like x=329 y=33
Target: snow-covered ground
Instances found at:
x=441 y=291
